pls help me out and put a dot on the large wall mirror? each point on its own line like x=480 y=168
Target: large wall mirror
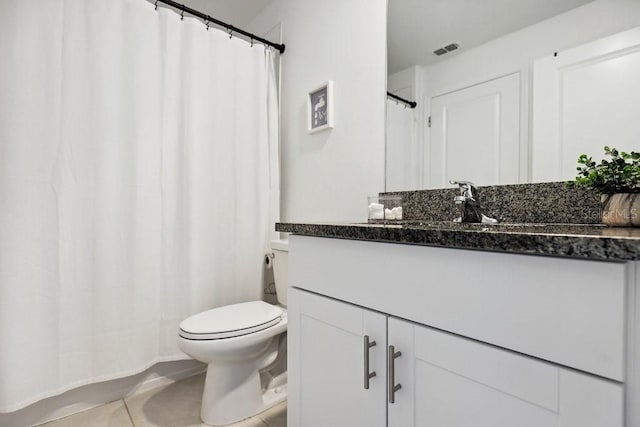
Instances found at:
x=508 y=91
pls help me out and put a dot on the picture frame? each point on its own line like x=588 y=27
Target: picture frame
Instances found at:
x=320 y=114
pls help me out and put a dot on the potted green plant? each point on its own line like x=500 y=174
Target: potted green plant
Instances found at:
x=618 y=179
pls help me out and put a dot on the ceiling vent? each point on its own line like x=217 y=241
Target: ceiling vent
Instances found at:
x=448 y=48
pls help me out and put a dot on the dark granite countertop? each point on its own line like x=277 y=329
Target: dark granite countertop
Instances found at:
x=587 y=241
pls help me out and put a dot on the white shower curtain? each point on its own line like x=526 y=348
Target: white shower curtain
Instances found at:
x=138 y=185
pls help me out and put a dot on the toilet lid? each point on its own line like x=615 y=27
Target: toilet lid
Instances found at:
x=231 y=321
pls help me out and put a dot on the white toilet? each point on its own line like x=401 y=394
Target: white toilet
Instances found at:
x=240 y=342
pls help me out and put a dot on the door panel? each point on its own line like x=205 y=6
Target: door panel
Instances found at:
x=326 y=344
x=459 y=382
x=585 y=98
x=455 y=400
x=536 y=381
x=402 y=411
x=475 y=134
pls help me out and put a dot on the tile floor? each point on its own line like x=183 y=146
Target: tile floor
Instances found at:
x=174 y=405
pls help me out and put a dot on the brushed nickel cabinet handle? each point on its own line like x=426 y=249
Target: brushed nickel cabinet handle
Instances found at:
x=393 y=387
x=367 y=375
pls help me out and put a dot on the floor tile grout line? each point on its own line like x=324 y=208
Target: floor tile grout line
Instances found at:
x=264 y=420
x=133 y=424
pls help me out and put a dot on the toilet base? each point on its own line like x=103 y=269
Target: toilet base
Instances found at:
x=235 y=387
x=221 y=407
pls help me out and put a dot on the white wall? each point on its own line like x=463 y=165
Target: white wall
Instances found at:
x=516 y=51
x=328 y=175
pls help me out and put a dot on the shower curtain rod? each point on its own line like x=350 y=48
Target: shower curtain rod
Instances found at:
x=231 y=28
x=411 y=104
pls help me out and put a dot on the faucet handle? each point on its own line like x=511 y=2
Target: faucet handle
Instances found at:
x=467 y=188
x=462 y=183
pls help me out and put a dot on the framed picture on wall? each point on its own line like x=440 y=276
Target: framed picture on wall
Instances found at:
x=320 y=107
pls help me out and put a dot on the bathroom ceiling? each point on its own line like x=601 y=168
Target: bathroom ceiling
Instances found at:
x=418 y=27
x=236 y=12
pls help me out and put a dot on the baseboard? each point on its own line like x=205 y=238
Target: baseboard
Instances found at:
x=93 y=395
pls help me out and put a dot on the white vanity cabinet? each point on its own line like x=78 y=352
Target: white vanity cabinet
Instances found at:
x=481 y=339
x=445 y=380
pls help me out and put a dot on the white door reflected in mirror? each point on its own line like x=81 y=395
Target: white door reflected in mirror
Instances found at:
x=475 y=133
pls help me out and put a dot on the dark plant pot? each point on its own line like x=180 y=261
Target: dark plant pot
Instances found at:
x=621 y=209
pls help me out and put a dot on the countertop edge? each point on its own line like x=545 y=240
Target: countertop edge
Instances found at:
x=594 y=247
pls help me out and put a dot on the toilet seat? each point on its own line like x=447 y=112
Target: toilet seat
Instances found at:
x=231 y=321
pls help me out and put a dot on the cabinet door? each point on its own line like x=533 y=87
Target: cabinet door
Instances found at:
x=451 y=381
x=326 y=340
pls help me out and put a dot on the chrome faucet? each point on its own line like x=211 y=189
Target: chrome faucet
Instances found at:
x=469 y=198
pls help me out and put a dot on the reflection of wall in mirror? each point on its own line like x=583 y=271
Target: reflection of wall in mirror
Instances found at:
x=403 y=171
x=405 y=136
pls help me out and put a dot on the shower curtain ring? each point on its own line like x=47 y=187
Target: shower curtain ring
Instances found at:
x=230 y=33
x=251 y=41
x=207 y=23
x=182 y=14
x=156 y=4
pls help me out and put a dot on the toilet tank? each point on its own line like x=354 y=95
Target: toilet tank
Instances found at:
x=280 y=249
